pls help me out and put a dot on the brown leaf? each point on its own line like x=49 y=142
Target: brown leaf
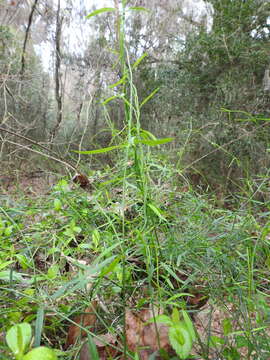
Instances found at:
x=151 y=337
x=142 y=337
x=105 y=346
x=81 y=180
x=198 y=298
x=86 y=320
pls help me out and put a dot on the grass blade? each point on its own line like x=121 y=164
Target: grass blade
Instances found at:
x=39 y=326
x=100 y=11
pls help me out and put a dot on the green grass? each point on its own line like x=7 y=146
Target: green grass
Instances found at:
x=181 y=244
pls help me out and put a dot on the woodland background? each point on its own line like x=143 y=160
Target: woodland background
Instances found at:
x=208 y=60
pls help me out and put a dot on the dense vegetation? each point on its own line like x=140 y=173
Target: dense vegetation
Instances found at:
x=168 y=215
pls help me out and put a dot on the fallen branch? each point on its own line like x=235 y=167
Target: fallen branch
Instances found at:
x=54 y=155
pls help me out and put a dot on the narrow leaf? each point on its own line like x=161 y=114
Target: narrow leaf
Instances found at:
x=100 y=151
x=110 y=99
x=106 y=252
x=121 y=81
x=138 y=61
x=6 y=275
x=5 y=264
x=93 y=353
x=100 y=11
x=149 y=97
x=96 y=238
x=110 y=268
x=39 y=326
x=82 y=279
x=147 y=134
x=96 y=268
x=138 y=8
x=177 y=296
x=172 y=273
x=154 y=142
x=156 y=211
x=64 y=289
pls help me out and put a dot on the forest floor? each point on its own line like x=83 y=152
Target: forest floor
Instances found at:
x=90 y=258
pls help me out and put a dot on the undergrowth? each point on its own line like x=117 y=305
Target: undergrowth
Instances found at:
x=68 y=249
x=139 y=238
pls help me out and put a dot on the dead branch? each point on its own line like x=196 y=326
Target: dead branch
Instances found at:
x=54 y=155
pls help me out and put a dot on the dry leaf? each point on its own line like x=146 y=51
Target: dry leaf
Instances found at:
x=81 y=180
x=198 y=298
x=104 y=348
x=146 y=338
x=142 y=337
x=86 y=320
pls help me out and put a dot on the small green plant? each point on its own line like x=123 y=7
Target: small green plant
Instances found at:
x=181 y=332
x=6 y=228
x=18 y=339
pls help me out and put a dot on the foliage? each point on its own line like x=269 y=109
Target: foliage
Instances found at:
x=181 y=332
x=75 y=250
x=218 y=69
x=18 y=339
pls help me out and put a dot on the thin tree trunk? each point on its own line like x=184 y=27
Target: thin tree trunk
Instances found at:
x=27 y=33
x=57 y=73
